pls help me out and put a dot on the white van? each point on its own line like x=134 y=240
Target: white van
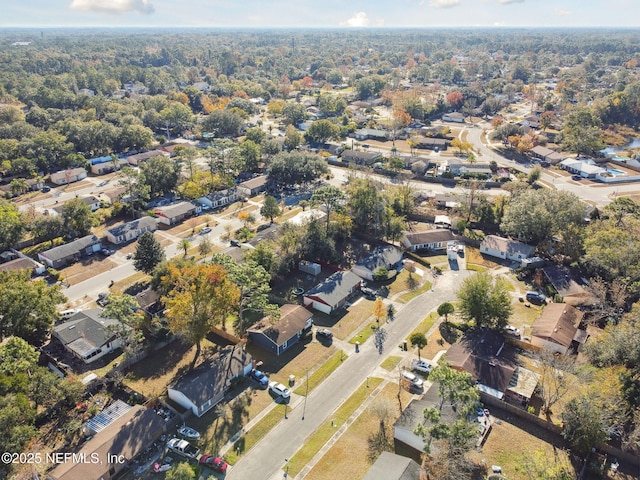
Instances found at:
x=412 y=379
x=67 y=314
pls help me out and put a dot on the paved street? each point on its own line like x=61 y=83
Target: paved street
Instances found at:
x=266 y=460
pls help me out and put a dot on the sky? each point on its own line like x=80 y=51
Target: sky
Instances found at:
x=320 y=13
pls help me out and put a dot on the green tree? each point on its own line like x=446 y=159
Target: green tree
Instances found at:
x=292 y=138
x=322 y=130
x=534 y=174
x=330 y=198
x=485 y=300
x=445 y=309
x=184 y=244
x=587 y=424
x=149 y=253
x=182 y=471
x=535 y=216
x=48 y=227
x=11 y=225
x=28 y=307
x=249 y=156
x=252 y=281
x=160 y=174
x=199 y=297
x=294 y=113
x=613 y=252
x=419 y=341
x=136 y=190
x=17 y=356
x=270 y=208
x=205 y=247
x=77 y=218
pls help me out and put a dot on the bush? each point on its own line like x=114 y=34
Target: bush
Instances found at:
x=381 y=274
x=53 y=273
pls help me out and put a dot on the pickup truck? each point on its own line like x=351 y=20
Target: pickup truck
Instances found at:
x=182 y=447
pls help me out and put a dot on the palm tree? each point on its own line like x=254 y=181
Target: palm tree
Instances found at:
x=419 y=341
x=446 y=309
x=184 y=244
x=18 y=186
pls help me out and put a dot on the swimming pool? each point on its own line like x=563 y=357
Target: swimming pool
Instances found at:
x=615 y=172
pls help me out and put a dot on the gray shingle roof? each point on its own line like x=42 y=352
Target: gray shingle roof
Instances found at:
x=148 y=222
x=430 y=236
x=86 y=330
x=336 y=287
x=293 y=318
x=211 y=379
x=71 y=248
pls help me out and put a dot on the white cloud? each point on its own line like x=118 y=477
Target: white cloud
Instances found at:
x=359 y=19
x=443 y=3
x=564 y=13
x=510 y=1
x=112 y=6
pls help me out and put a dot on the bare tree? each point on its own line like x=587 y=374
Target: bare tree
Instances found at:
x=554 y=381
x=382 y=439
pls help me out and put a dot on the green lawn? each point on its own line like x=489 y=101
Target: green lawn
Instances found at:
x=322 y=435
x=391 y=362
x=259 y=430
x=406 y=297
x=320 y=374
x=364 y=333
x=424 y=325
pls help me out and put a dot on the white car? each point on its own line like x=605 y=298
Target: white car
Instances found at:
x=412 y=379
x=279 y=390
x=421 y=366
x=511 y=330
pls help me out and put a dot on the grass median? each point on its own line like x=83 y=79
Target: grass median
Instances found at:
x=318 y=376
x=324 y=433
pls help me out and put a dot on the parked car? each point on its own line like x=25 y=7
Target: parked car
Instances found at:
x=106 y=252
x=369 y=292
x=324 y=334
x=235 y=243
x=280 y=390
x=214 y=463
x=535 y=297
x=576 y=178
x=103 y=299
x=45 y=189
x=421 y=366
x=205 y=230
x=511 y=330
x=260 y=378
x=412 y=380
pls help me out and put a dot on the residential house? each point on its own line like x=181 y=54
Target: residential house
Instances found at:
x=545 y=154
x=388 y=257
x=106 y=164
x=389 y=466
x=505 y=248
x=91 y=201
x=458 y=167
x=113 y=195
x=456 y=117
x=432 y=143
x=13 y=260
x=175 y=213
x=569 y=286
x=492 y=364
x=149 y=302
x=436 y=239
x=371 y=134
x=63 y=255
x=446 y=200
x=65 y=177
x=114 y=447
x=253 y=187
x=334 y=292
x=478 y=171
x=405 y=441
x=277 y=337
x=220 y=198
x=442 y=221
x=556 y=329
x=131 y=230
x=204 y=387
x=89 y=336
x=143 y=157
x=584 y=168
x=359 y=157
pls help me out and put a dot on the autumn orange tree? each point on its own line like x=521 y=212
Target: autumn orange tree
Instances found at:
x=200 y=297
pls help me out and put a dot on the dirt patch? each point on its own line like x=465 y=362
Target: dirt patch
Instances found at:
x=87 y=268
x=435 y=343
x=475 y=257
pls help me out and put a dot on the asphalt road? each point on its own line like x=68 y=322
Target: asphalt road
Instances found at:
x=266 y=459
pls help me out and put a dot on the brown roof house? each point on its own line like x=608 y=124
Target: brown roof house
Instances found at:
x=556 y=329
x=253 y=186
x=390 y=466
x=114 y=446
x=505 y=248
x=295 y=321
x=484 y=354
x=205 y=386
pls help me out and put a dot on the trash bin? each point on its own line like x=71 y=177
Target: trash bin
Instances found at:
x=292 y=380
x=357 y=347
x=404 y=345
